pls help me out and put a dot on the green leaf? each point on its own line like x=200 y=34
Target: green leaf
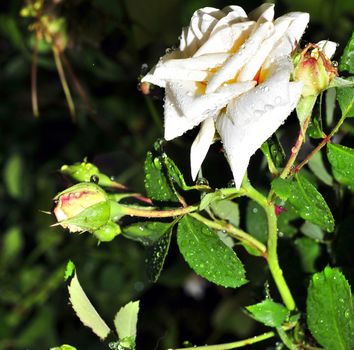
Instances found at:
x=330 y=101
x=317 y=166
x=207 y=255
x=126 y=320
x=256 y=221
x=12 y=244
x=157 y=184
x=13 y=176
x=157 y=254
x=308 y=250
x=347 y=59
x=273 y=149
x=345 y=97
x=146 y=232
x=69 y=270
x=226 y=210
x=306 y=200
x=341 y=159
x=330 y=310
x=269 y=313
x=85 y=310
x=222 y=193
x=312 y=231
x=64 y=347
x=285 y=218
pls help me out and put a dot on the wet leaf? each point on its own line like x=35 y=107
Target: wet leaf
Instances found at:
x=207 y=255
x=345 y=97
x=308 y=250
x=256 y=221
x=157 y=254
x=269 y=313
x=157 y=184
x=317 y=166
x=226 y=210
x=347 y=59
x=306 y=200
x=341 y=159
x=146 y=232
x=329 y=307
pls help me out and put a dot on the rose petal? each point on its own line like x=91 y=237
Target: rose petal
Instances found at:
x=201 y=145
x=200 y=27
x=226 y=39
x=255 y=116
x=250 y=69
x=265 y=12
x=236 y=11
x=232 y=67
x=185 y=107
x=327 y=47
x=287 y=43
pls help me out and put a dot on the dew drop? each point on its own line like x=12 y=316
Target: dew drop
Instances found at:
x=231 y=183
x=202 y=181
x=335 y=64
x=94 y=179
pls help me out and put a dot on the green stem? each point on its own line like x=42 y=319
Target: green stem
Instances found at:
x=321 y=144
x=273 y=261
x=63 y=81
x=234 y=232
x=34 y=94
x=233 y=345
x=285 y=339
x=151 y=212
x=153 y=112
x=295 y=150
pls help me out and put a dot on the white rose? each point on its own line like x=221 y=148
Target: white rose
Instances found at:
x=231 y=73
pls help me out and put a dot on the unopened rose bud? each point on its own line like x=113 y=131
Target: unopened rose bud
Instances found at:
x=314 y=69
x=86 y=207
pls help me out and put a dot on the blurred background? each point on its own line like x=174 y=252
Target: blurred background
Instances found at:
x=108 y=45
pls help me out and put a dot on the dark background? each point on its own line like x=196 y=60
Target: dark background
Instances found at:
x=108 y=42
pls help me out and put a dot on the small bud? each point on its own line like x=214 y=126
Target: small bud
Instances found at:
x=85 y=172
x=314 y=69
x=83 y=207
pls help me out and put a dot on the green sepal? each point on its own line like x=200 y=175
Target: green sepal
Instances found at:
x=84 y=171
x=91 y=218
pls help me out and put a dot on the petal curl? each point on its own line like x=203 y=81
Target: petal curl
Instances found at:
x=185 y=107
x=255 y=116
x=202 y=23
x=265 y=12
x=297 y=22
x=192 y=69
x=232 y=67
x=201 y=145
x=226 y=38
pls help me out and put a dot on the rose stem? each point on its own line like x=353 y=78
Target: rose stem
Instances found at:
x=234 y=232
x=34 y=94
x=273 y=261
x=63 y=81
x=320 y=145
x=236 y=344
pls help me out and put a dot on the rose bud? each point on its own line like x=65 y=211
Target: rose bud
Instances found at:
x=314 y=68
x=86 y=207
